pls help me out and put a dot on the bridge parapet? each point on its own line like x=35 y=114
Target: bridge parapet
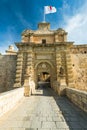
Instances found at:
x=78 y=97
x=9 y=99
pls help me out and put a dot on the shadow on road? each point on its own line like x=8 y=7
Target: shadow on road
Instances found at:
x=75 y=118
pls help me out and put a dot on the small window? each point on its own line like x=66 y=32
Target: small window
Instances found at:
x=44 y=41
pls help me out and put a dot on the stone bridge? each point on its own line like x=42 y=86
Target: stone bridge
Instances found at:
x=44 y=110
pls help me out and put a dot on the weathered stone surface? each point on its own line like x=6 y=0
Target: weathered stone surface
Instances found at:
x=80 y=71
x=7 y=72
x=78 y=97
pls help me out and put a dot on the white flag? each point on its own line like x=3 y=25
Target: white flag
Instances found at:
x=49 y=9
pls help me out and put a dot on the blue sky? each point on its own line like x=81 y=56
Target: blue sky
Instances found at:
x=18 y=15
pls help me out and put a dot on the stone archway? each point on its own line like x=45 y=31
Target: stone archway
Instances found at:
x=44 y=72
x=43 y=79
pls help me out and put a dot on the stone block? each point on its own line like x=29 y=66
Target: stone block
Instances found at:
x=48 y=125
x=62 y=125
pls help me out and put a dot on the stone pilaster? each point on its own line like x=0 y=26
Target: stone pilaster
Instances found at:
x=18 y=70
x=69 y=70
x=30 y=64
x=26 y=83
x=56 y=38
x=29 y=75
x=61 y=73
x=58 y=64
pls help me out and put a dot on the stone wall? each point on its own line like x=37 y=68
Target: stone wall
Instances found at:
x=77 y=97
x=79 y=63
x=79 y=49
x=7 y=72
x=9 y=99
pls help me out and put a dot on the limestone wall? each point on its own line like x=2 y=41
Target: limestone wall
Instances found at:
x=9 y=99
x=79 y=63
x=77 y=97
x=7 y=72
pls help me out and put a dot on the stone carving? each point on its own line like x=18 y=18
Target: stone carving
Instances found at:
x=43 y=65
x=61 y=71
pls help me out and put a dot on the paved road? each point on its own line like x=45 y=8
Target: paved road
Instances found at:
x=44 y=111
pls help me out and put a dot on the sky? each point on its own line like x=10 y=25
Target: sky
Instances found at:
x=18 y=15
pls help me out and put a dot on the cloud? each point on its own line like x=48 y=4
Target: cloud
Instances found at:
x=65 y=7
x=76 y=25
x=76 y=22
x=23 y=21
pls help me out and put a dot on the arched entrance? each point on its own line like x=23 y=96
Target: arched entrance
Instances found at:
x=44 y=74
x=44 y=79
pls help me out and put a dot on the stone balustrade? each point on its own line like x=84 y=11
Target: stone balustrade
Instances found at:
x=78 y=97
x=9 y=99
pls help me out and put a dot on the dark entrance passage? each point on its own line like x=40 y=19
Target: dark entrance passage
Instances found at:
x=44 y=76
x=44 y=79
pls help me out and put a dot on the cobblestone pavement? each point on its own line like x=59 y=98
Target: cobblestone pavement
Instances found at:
x=44 y=111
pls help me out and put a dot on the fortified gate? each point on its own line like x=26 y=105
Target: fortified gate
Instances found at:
x=44 y=56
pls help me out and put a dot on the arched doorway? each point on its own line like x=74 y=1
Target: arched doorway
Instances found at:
x=44 y=79
x=44 y=74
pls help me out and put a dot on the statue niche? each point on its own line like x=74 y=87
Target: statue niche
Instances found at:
x=61 y=72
